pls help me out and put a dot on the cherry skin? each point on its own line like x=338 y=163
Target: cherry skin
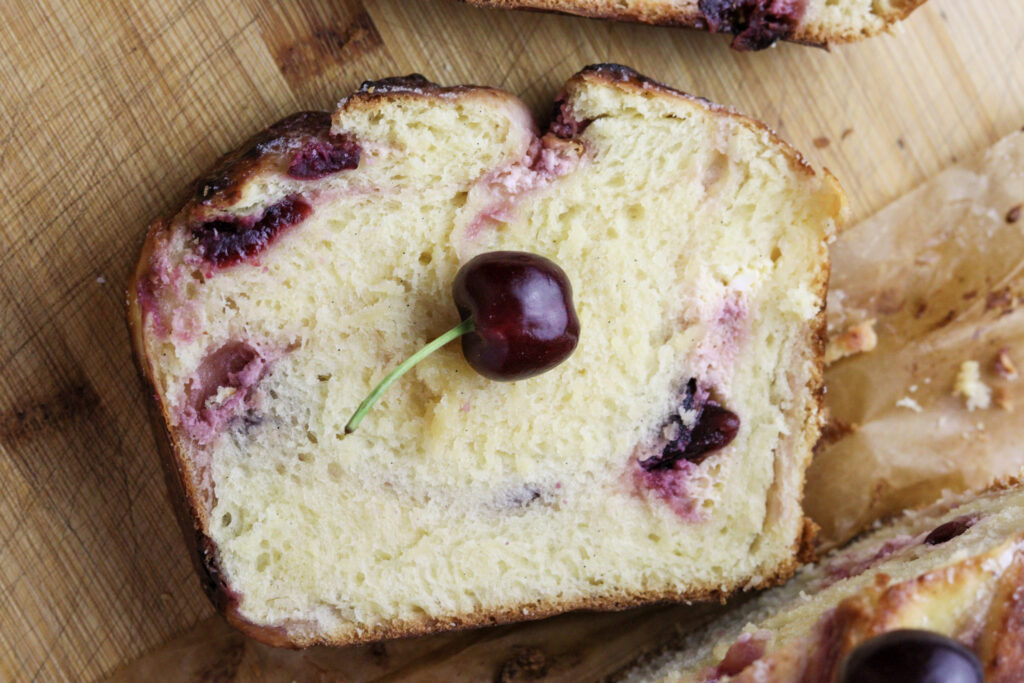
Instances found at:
x=518 y=321
x=911 y=656
x=950 y=530
x=521 y=306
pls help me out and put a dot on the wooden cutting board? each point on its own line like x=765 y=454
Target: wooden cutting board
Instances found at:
x=109 y=110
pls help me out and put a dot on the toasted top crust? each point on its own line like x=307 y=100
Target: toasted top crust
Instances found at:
x=267 y=150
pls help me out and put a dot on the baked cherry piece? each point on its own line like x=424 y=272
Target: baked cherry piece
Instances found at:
x=518 y=321
x=910 y=656
x=755 y=24
x=319 y=158
x=231 y=239
x=715 y=427
x=950 y=530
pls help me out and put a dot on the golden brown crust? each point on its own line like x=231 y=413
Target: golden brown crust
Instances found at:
x=882 y=608
x=411 y=85
x=806 y=552
x=817 y=339
x=665 y=14
x=374 y=93
x=519 y=613
x=1001 y=645
x=975 y=597
x=651 y=13
x=268 y=150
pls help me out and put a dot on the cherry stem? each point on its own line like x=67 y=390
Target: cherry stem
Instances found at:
x=465 y=327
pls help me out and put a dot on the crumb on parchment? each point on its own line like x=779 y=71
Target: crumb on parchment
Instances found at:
x=907 y=402
x=858 y=338
x=1004 y=366
x=1002 y=398
x=969 y=384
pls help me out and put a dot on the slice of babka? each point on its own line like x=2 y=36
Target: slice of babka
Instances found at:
x=664 y=459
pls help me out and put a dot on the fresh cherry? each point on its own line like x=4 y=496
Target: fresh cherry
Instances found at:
x=518 y=321
x=522 y=306
x=910 y=656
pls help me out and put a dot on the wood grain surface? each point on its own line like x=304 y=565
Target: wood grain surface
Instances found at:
x=109 y=109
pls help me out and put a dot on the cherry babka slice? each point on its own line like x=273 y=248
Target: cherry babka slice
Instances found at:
x=664 y=459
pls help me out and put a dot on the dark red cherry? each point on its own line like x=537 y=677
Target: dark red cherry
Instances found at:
x=910 y=656
x=517 y=321
x=950 y=530
x=319 y=158
x=521 y=307
x=231 y=239
x=756 y=24
x=715 y=428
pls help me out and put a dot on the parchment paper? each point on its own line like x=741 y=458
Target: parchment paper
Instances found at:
x=941 y=270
